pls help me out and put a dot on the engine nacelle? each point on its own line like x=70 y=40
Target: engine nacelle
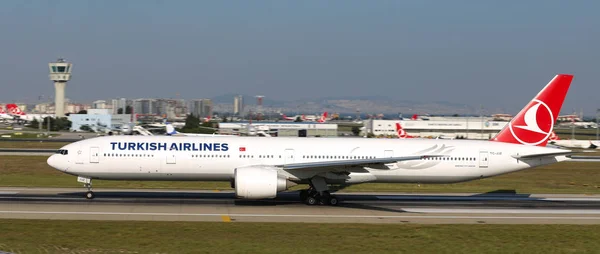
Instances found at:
x=259 y=183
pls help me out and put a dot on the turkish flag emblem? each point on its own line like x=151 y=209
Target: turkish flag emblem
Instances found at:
x=242 y=149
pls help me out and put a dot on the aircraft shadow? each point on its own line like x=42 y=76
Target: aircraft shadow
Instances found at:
x=350 y=200
x=293 y=196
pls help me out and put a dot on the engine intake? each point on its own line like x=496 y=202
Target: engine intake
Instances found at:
x=259 y=183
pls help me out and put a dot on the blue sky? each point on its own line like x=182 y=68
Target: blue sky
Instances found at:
x=496 y=53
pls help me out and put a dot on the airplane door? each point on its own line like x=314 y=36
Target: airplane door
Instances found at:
x=483 y=159
x=288 y=156
x=94 y=154
x=388 y=154
x=171 y=158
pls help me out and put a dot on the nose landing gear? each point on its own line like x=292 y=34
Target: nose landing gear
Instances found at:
x=87 y=183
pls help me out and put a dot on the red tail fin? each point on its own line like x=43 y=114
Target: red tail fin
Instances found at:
x=14 y=109
x=401 y=132
x=534 y=124
x=323 y=118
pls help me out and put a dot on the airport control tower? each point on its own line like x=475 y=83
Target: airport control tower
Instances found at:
x=60 y=73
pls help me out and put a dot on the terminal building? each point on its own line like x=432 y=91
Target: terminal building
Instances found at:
x=462 y=128
x=98 y=120
x=283 y=129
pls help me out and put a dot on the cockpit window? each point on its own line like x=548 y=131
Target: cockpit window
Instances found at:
x=62 y=151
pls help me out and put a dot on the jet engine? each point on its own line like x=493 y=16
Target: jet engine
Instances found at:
x=259 y=182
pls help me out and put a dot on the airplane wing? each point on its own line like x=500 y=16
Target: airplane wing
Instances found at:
x=347 y=164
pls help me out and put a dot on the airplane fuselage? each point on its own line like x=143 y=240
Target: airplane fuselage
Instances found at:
x=216 y=158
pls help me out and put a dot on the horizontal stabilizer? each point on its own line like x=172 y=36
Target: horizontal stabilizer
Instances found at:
x=541 y=155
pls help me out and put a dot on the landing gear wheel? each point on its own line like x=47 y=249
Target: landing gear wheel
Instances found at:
x=90 y=195
x=333 y=201
x=311 y=201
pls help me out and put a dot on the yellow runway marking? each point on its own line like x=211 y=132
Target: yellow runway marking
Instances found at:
x=225 y=218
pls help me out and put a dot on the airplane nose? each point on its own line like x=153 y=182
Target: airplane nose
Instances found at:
x=55 y=162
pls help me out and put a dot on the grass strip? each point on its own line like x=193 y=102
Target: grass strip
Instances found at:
x=565 y=177
x=56 y=236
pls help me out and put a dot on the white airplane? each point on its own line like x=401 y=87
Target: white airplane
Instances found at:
x=171 y=131
x=19 y=115
x=259 y=168
x=313 y=118
x=4 y=116
x=573 y=143
x=574 y=120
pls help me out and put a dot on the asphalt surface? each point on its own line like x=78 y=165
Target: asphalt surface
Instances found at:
x=27 y=151
x=185 y=205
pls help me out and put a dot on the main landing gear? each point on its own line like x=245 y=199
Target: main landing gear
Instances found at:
x=318 y=193
x=312 y=197
x=87 y=183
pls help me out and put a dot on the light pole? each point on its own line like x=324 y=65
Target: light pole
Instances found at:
x=48 y=123
x=597 y=127
x=41 y=119
x=481 y=135
x=467 y=126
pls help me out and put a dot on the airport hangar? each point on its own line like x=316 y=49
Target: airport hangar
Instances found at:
x=284 y=129
x=470 y=128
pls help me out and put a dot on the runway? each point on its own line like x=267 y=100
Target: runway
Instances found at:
x=184 y=205
x=26 y=152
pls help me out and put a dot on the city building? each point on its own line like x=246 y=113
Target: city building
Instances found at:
x=99 y=104
x=144 y=106
x=202 y=108
x=44 y=108
x=238 y=105
x=121 y=103
x=76 y=107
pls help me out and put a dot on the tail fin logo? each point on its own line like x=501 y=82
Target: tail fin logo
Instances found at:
x=401 y=132
x=535 y=126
